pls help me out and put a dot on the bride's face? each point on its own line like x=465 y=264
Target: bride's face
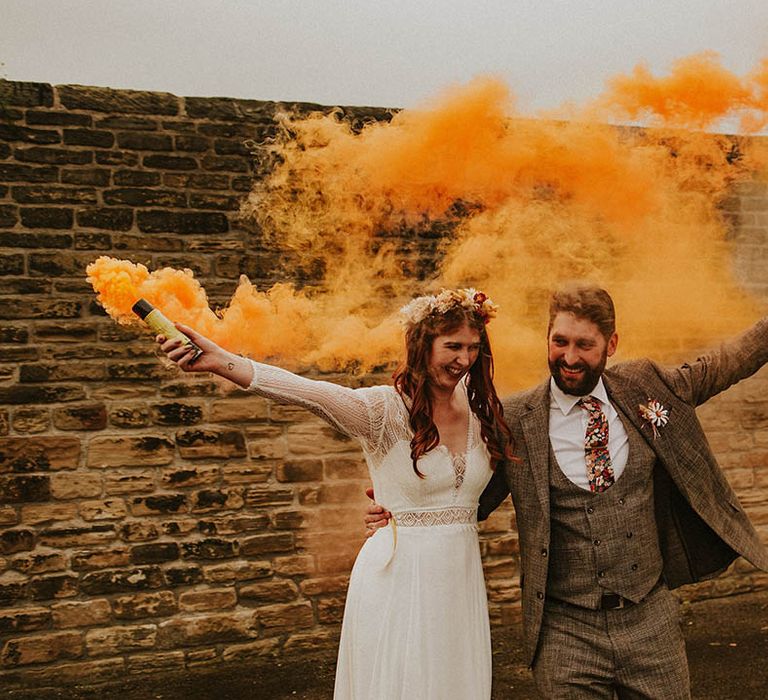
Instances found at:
x=452 y=356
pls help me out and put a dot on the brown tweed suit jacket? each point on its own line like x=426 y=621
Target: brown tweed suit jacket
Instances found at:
x=702 y=526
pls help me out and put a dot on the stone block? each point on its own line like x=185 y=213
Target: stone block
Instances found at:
x=81 y=613
x=63 y=537
x=176 y=413
x=68 y=332
x=109 y=509
x=143 y=605
x=26 y=94
x=84 y=417
x=235 y=571
x=101 y=558
x=280 y=591
x=38 y=561
x=50 y=156
x=179 y=526
x=192 y=143
x=53 y=194
x=163 y=162
x=89 y=137
x=12 y=264
x=330 y=611
x=222 y=202
x=290 y=519
x=212 y=500
x=130 y=416
x=138 y=531
x=13 y=591
x=98 y=177
x=31 y=420
x=159 y=503
x=345 y=468
x=13 y=132
x=210 y=443
x=74 y=485
x=130 y=451
x=311 y=643
x=183 y=575
x=211 y=599
x=194 y=475
x=233 y=524
x=320 y=440
x=121 y=581
x=129 y=482
x=246 y=652
x=143 y=141
x=265 y=544
x=154 y=553
x=56 y=372
x=43 y=648
x=16 y=540
x=9 y=516
x=110 y=218
x=48 y=453
x=298 y=565
x=112 y=641
x=183 y=222
x=135 y=178
x=25 y=619
x=248 y=473
x=325 y=585
x=98 y=99
x=214 y=628
x=244 y=410
x=126 y=158
x=210 y=548
x=50 y=587
x=144 y=197
x=142 y=664
x=300 y=470
x=286 y=618
x=268 y=496
x=47 y=217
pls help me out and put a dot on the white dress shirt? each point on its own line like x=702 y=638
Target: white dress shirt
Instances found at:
x=568 y=425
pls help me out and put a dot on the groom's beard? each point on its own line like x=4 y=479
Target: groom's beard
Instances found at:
x=577 y=386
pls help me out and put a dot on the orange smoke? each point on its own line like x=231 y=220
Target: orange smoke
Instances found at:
x=517 y=205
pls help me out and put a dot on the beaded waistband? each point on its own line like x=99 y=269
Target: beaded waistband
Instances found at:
x=428 y=518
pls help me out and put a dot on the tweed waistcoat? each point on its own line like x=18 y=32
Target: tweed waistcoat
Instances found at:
x=604 y=542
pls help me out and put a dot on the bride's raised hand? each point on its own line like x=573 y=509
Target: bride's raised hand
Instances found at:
x=183 y=354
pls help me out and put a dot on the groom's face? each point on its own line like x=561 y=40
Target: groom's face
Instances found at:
x=578 y=352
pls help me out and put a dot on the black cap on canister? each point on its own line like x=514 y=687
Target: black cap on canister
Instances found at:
x=142 y=308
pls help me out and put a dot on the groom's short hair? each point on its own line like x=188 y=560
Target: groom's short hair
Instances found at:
x=584 y=300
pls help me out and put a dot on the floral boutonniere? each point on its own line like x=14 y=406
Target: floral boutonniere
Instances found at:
x=655 y=415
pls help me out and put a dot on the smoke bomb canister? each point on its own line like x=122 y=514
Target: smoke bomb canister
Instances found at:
x=162 y=325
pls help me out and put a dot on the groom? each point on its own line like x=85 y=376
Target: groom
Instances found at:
x=618 y=499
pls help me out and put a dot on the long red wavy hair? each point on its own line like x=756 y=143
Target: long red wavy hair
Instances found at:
x=412 y=381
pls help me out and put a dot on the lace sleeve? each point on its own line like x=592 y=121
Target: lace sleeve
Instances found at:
x=358 y=413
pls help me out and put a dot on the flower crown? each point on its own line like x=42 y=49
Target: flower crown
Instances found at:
x=417 y=310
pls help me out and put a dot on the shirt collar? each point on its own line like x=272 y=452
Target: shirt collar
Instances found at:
x=566 y=402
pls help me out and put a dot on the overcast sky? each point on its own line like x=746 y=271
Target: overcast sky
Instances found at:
x=388 y=53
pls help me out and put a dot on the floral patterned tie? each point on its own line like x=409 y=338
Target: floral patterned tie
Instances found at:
x=599 y=467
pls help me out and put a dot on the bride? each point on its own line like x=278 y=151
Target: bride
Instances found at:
x=416 y=618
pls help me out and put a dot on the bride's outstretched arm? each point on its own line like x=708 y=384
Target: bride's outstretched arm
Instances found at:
x=213 y=358
x=356 y=412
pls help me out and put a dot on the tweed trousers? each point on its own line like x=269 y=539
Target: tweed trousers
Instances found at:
x=630 y=653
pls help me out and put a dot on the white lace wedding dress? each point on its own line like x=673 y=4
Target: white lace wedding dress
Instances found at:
x=416 y=617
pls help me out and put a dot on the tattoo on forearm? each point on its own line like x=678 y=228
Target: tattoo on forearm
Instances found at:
x=230 y=366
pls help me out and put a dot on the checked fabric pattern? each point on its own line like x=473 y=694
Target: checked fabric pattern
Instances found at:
x=599 y=467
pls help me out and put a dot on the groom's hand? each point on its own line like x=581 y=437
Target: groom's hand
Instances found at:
x=376 y=516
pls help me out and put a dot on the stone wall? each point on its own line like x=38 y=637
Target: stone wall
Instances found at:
x=150 y=520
